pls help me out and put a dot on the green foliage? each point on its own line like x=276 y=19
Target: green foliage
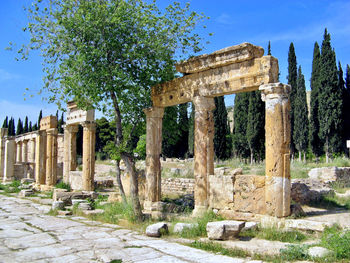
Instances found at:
x=191 y=132
x=11 y=128
x=337 y=240
x=222 y=138
x=346 y=104
x=39 y=119
x=170 y=131
x=5 y=123
x=105 y=133
x=63 y=185
x=269 y=49
x=240 y=144
x=217 y=248
x=26 y=127
x=13 y=187
x=183 y=124
x=114 y=211
x=30 y=129
x=141 y=147
x=294 y=252
x=60 y=124
x=300 y=131
x=19 y=129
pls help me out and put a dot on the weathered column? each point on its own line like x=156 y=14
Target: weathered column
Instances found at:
x=40 y=158
x=19 y=152
x=3 y=135
x=51 y=156
x=9 y=161
x=70 y=150
x=154 y=120
x=277 y=143
x=89 y=133
x=32 y=150
x=25 y=151
x=203 y=151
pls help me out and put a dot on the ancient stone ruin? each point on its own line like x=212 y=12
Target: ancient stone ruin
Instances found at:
x=235 y=69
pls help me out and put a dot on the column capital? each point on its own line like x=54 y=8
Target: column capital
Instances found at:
x=203 y=103
x=274 y=90
x=89 y=125
x=154 y=112
x=52 y=131
x=71 y=128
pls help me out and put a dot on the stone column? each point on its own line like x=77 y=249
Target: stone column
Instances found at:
x=277 y=143
x=51 y=156
x=3 y=135
x=19 y=152
x=40 y=158
x=89 y=133
x=154 y=120
x=25 y=151
x=9 y=162
x=70 y=150
x=32 y=150
x=203 y=151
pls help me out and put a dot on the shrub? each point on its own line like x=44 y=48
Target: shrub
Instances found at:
x=63 y=185
x=337 y=240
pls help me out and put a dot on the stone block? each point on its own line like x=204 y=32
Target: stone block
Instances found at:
x=84 y=206
x=156 y=230
x=59 y=205
x=64 y=212
x=56 y=191
x=93 y=212
x=76 y=115
x=48 y=122
x=221 y=191
x=318 y=252
x=179 y=227
x=303 y=224
x=27 y=180
x=250 y=226
x=331 y=174
x=25 y=193
x=224 y=230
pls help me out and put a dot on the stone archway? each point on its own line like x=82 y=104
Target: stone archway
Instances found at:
x=240 y=68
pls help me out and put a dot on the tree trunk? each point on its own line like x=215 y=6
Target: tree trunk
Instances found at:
x=119 y=182
x=327 y=150
x=304 y=157
x=251 y=157
x=300 y=156
x=128 y=160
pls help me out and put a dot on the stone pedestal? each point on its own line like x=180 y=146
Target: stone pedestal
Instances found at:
x=154 y=119
x=89 y=134
x=40 y=158
x=203 y=151
x=277 y=143
x=51 y=156
x=3 y=135
x=19 y=152
x=70 y=150
x=9 y=161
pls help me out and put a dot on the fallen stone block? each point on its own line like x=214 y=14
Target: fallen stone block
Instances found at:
x=156 y=230
x=224 y=230
x=27 y=180
x=302 y=224
x=250 y=226
x=56 y=191
x=78 y=201
x=179 y=227
x=318 y=252
x=84 y=206
x=67 y=197
x=64 y=212
x=25 y=193
x=93 y=212
x=59 y=205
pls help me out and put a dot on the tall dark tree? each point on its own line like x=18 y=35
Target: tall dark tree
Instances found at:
x=19 y=129
x=39 y=119
x=25 y=126
x=12 y=127
x=170 y=131
x=183 y=124
x=341 y=86
x=292 y=81
x=222 y=138
x=104 y=134
x=314 y=139
x=35 y=127
x=301 y=124
x=191 y=132
x=5 y=123
x=346 y=105
x=330 y=99
x=240 y=144
x=256 y=126
x=269 y=49
x=30 y=129
x=60 y=124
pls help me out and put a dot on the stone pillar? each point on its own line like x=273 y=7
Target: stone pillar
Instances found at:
x=25 y=151
x=3 y=135
x=51 y=157
x=89 y=133
x=40 y=158
x=277 y=143
x=154 y=120
x=32 y=150
x=70 y=150
x=19 y=152
x=203 y=151
x=9 y=162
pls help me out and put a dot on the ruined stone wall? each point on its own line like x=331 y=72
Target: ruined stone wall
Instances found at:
x=177 y=186
x=331 y=174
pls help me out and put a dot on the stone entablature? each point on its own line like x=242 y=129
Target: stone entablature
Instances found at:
x=49 y=122
x=77 y=116
x=26 y=136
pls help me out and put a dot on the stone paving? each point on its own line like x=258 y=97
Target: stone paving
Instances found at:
x=27 y=234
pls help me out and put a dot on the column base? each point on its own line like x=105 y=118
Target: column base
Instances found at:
x=46 y=188
x=154 y=209
x=199 y=210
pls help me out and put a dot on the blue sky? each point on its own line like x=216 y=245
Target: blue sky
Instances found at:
x=232 y=22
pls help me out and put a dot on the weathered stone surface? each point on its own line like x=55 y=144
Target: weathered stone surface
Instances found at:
x=48 y=122
x=68 y=196
x=51 y=156
x=221 y=191
x=156 y=229
x=237 y=171
x=306 y=191
x=179 y=227
x=277 y=141
x=77 y=116
x=58 y=205
x=303 y=224
x=318 y=252
x=224 y=230
x=27 y=180
x=296 y=210
x=93 y=212
x=250 y=225
x=84 y=206
x=331 y=174
x=25 y=193
x=89 y=137
x=9 y=160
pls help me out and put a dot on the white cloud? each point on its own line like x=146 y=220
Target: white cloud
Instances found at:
x=4 y=75
x=224 y=19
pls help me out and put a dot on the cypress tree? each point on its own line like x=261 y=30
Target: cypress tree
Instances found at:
x=256 y=126
x=222 y=139
x=25 y=127
x=300 y=131
x=5 y=124
x=9 y=132
x=19 y=129
x=330 y=99
x=35 y=127
x=191 y=132
x=314 y=139
x=292 y=81
x=346 y=104
x=182 y=144
x=240 y=144
x=60 y=123
x=39 y=119
x=30 y=127
x=341 y=86
x=269 y=49
x=170 y=131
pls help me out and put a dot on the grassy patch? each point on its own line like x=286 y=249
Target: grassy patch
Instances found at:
x=331 y=201
x=338 y=241
x=53 y=212
x=275 y=234
x=13 y=187
x=63 y=185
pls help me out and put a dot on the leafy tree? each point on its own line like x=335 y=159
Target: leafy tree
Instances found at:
x=141 y=147
x=5 y=124
x=346 y=105
x=222 y=138
x=19 y=129
x=191 y=132
x=30 y=129
x=256 y=126
x=292 y=81
x=240 y=144
x=25 y=127
x=183 y=124
x=39 y=119
x=300 y=131
x=314 y=139
x=269 y=49
x=105 y=133
x=330 y=101
x=107 y=54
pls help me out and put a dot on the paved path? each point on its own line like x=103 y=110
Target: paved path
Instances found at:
x=28 y=235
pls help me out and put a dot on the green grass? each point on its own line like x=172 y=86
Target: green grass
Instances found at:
x=337 y=240
x=13 y=187
x=63 y=185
